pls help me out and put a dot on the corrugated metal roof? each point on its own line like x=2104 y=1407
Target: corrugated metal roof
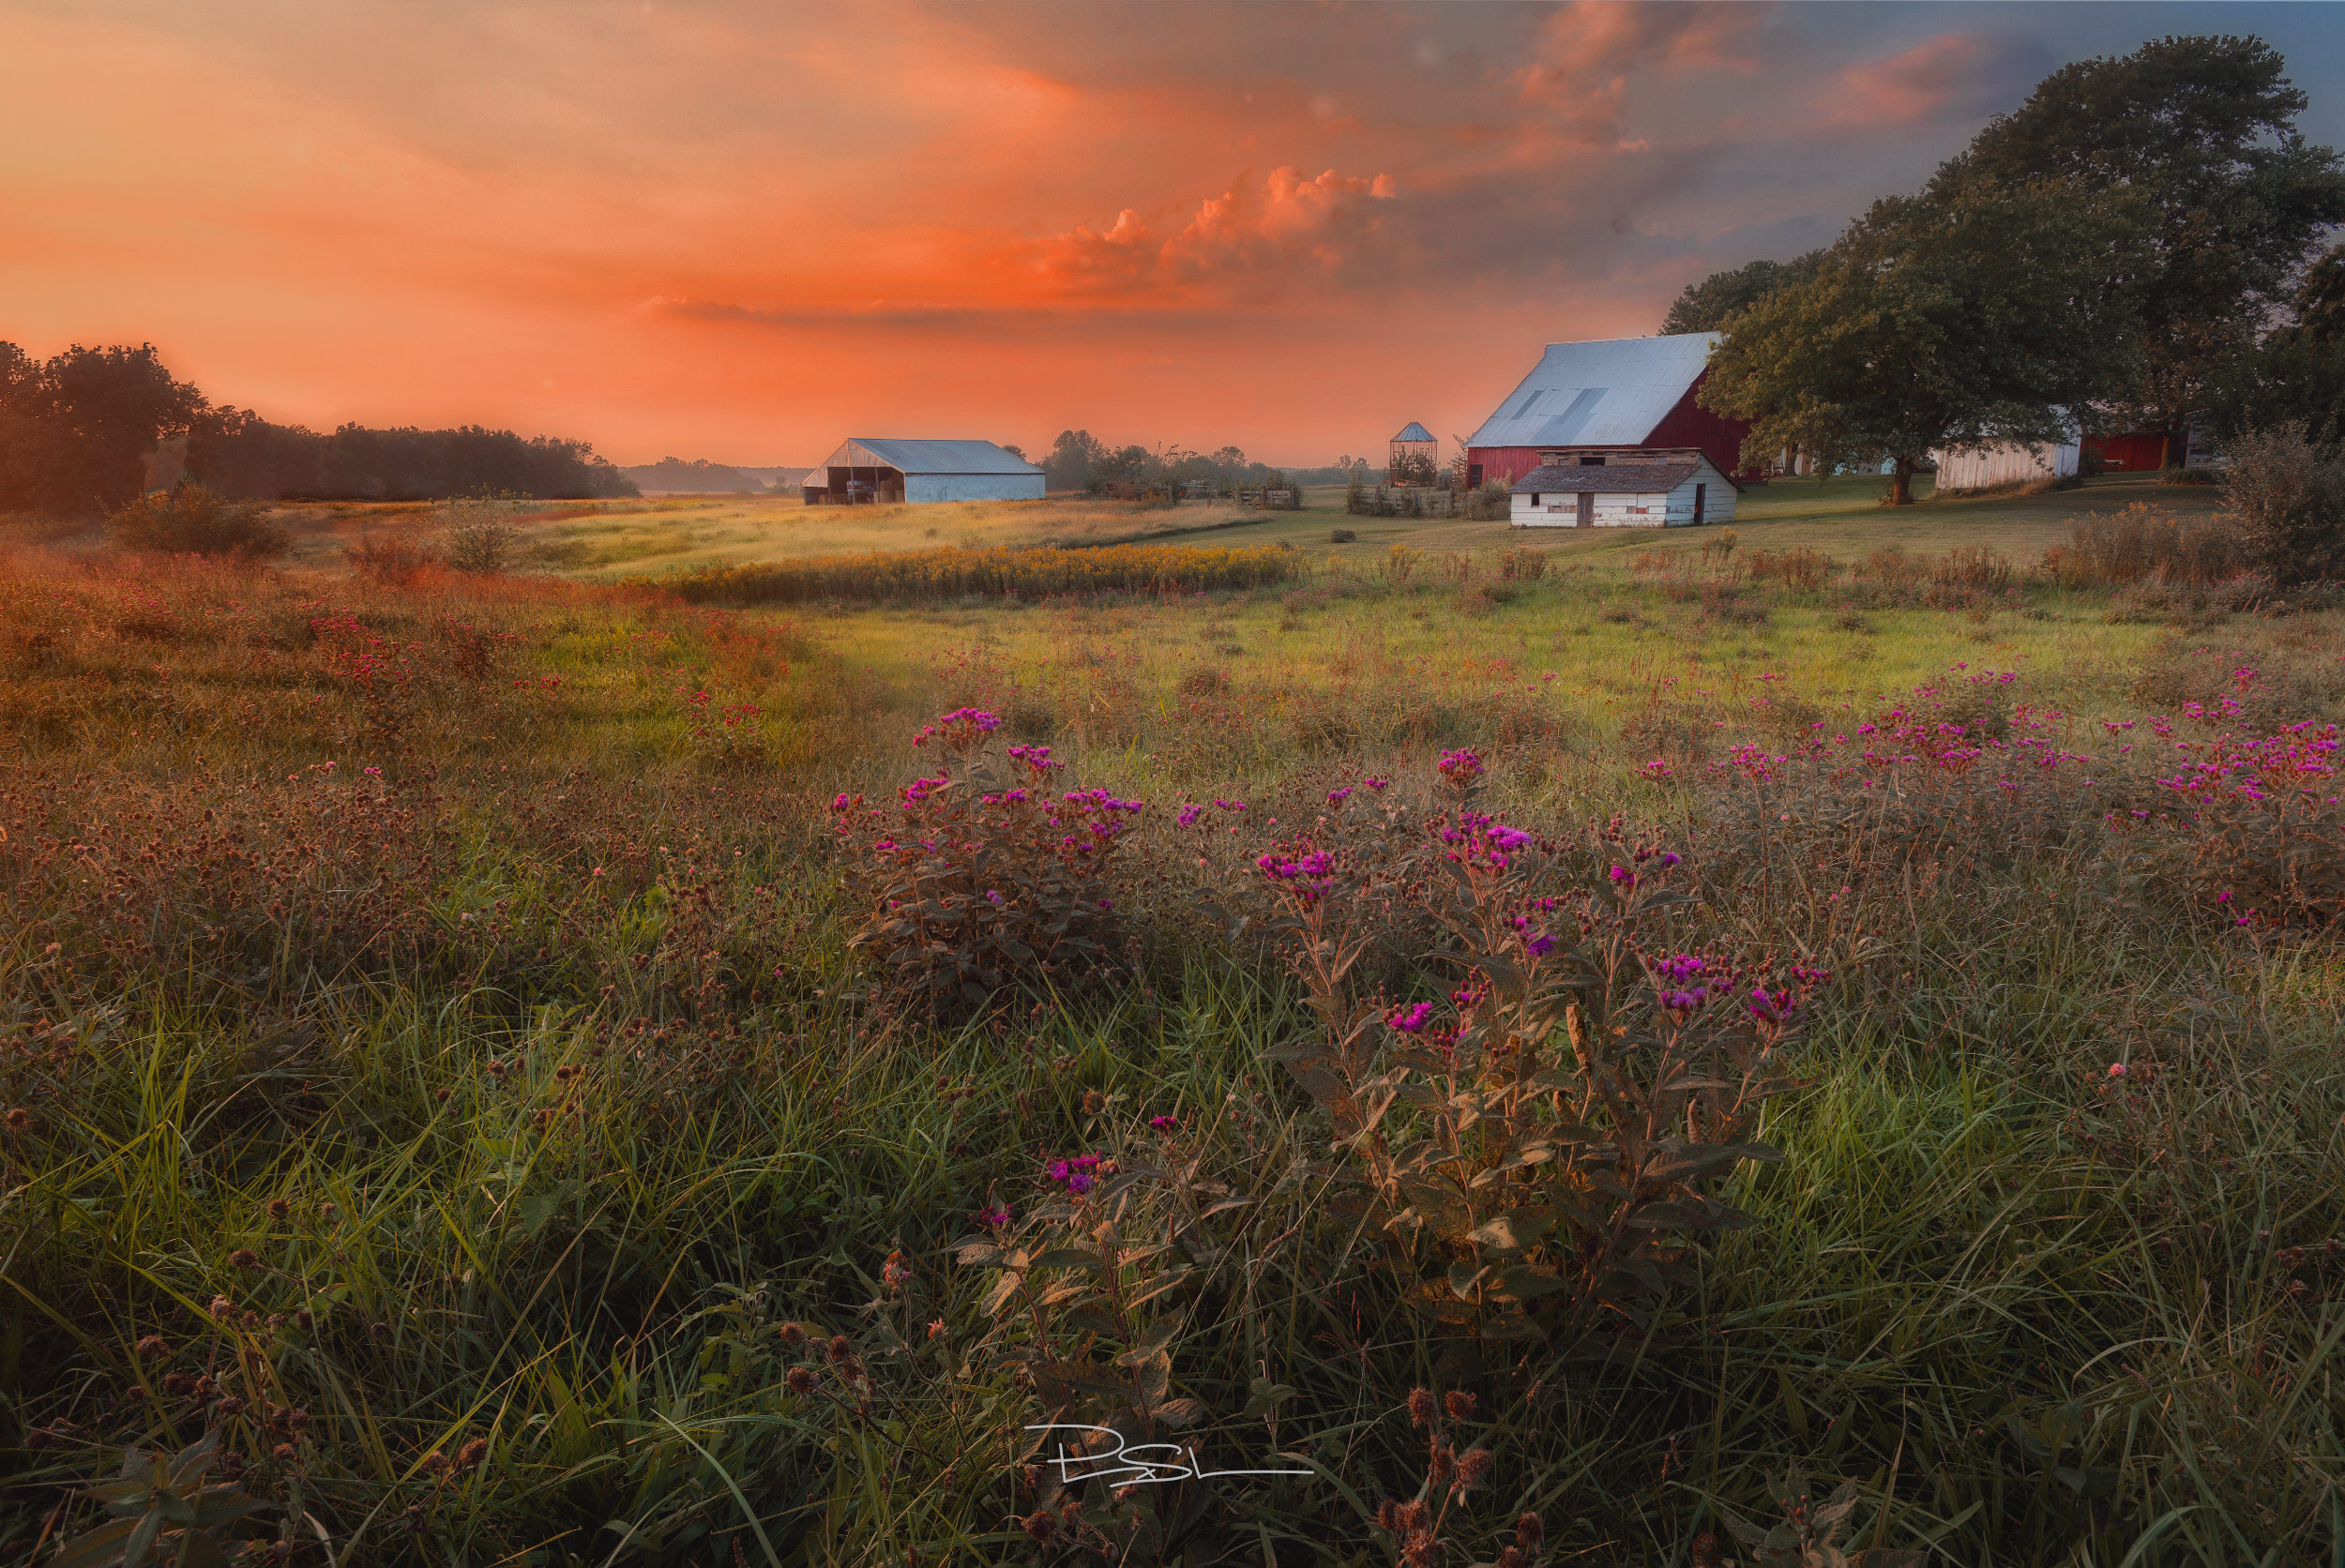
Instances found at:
x=1654 y=478
x=926 y=456
x=1415 y=433
x=1599 y=394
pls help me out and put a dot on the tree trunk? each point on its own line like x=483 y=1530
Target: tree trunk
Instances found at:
x=1901 y=483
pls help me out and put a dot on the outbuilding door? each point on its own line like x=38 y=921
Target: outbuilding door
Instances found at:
x=1702 y=493
x=1587 y=508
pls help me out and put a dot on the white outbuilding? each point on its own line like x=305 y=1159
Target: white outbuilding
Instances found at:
x=1985 y=468
x=1638 y=488
x=871 y=470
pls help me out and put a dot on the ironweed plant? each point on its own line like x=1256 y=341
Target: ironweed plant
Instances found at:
x=987 y=876
x=1538 y=1146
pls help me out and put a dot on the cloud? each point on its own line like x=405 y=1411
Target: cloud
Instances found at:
x=1587 y=53
x=1251 y=235
x=1916 y=86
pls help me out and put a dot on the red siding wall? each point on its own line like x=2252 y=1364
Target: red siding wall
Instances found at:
x=1685 y=424
x=1719 y=437
x=2133 y=453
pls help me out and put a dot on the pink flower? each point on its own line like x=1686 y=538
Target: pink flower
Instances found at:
x=2116 y=1069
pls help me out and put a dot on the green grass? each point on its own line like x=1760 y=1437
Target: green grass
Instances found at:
x=550 y=1045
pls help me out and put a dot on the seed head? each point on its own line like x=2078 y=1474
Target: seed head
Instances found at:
x=801 y=1379
x=1094 y=1102
x=1459 y=1403
x=1420 y=1550
x=1042 y=1526
x=244 y=1258
x=841 y=1352
x=222 y=1307
x=278 y=1209
x=1708 y=1552
x=20 y=1119
x=151 y=1347
x=1423 y=1408
x=1529 y=1530
x=472 y=1454
x=1442 y=1468
x=792 y=1336
x=282 y=1453
x=1473 y=1467
x=179 y=1384
x=1511 y=1557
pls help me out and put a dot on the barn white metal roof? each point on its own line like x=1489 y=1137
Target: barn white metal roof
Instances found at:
x=1610 y=393
x=926 y=456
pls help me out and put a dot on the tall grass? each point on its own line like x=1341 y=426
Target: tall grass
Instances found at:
x=522 y=1094
x=949 y=573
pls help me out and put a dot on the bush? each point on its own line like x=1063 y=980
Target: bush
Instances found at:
x=984 y=878
x=2292 y=496
x=1341 y=536
x=478 y=533
x=2189 y=477
x=390 y=560
x=1523 y=562
x=194 y=520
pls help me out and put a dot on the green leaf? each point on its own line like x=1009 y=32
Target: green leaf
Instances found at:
x=1267 y=1396
x=101 y=1545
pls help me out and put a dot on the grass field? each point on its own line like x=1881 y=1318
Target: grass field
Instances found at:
x=435 y=1062
x=618 y=539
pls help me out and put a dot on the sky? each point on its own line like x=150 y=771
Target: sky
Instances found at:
x=747 y=233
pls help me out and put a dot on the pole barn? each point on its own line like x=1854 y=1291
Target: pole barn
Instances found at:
x=880 y=470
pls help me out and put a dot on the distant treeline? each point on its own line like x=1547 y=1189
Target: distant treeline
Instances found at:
x=1080 y=461
x=92 y=429
x=701 y=477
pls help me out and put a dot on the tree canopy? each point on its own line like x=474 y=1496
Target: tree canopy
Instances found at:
x=2202 y=132
x=1707 y=306
x=1965 y=318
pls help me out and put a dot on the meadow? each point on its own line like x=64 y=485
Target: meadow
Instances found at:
x=1573 y=1050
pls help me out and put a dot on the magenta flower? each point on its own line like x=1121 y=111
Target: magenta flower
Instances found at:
x=1413 y=1019
x=1164 y=1123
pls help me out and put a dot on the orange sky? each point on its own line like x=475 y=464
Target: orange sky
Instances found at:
x=744 y=234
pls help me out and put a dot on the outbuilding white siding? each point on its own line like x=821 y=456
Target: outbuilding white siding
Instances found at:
x=2004 y=465
x=1670 y=509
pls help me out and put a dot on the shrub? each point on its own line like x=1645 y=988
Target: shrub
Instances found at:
x=1342 y=536
x=985 y=877
x=389 y=559
x=1523 y=562
x=2292 y=496
x=1720 y=544
x=2248 y=826
x=2189 y=477
x=191 y=519
x=478 y=533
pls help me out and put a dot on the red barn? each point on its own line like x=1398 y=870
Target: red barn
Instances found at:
x=1626 y=392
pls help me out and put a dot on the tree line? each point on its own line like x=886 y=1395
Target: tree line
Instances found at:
x=1079 y=461
x=2139 y=246
x=91 y=430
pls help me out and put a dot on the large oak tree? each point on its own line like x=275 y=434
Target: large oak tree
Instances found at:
x=1972 y=318
x=2202 y=132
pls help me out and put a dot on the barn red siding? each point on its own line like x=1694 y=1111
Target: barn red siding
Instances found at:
x=1720 y=438
x=1687 y=423
x=2133 y=452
